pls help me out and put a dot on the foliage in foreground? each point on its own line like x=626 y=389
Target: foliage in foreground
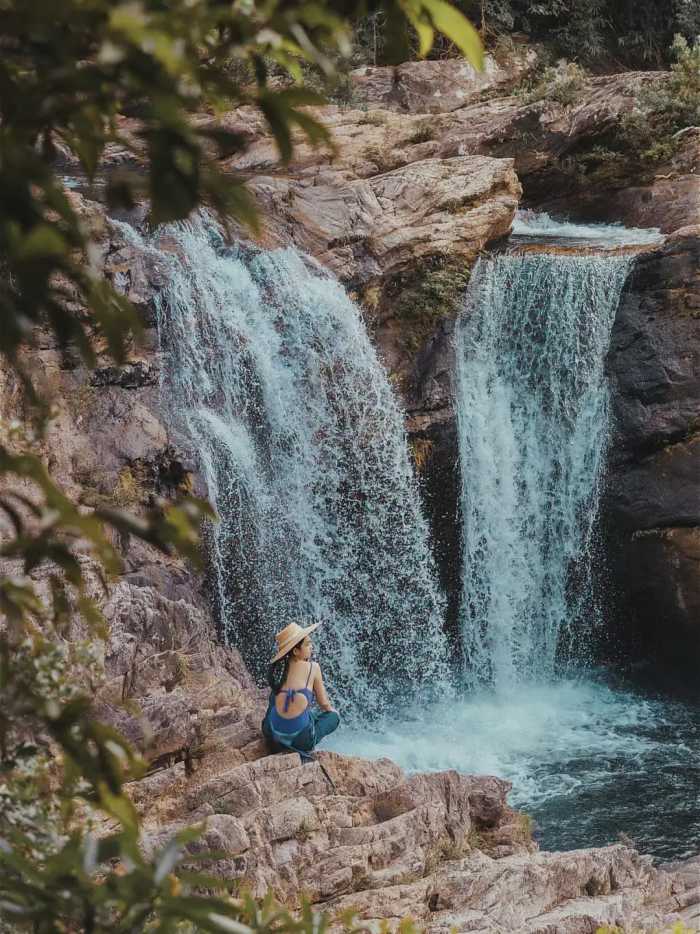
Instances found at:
x=69 y=73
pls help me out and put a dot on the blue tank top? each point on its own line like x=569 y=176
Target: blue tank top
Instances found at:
x=283 y=724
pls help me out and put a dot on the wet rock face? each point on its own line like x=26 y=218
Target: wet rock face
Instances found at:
x=432 y=431
x=652 y=501
x=131 y=376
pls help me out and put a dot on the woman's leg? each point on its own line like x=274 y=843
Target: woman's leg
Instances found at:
x=325 y=722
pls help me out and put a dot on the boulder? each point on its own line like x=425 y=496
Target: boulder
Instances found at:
x=435 y=86
x=365 y=230
x=342 y=823
x=556 y=893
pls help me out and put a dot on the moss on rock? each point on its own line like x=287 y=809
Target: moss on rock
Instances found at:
x=421 y=297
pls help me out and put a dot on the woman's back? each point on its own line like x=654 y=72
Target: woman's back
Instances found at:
x=290 y=723
x=296 y=693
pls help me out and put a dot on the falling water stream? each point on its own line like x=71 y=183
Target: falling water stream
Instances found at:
x=589 y=757
x=270 y=379
x=532 y=411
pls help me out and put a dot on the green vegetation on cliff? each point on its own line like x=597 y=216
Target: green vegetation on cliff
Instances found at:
x=421 y=297
x=599 y=33
x=593 y=32
x=652 y=133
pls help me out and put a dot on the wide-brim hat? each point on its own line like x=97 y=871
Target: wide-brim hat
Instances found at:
x=290 y=636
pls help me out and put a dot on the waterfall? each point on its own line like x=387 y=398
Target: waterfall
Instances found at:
x=270 y=375
x=532 y=415
x=540 y=226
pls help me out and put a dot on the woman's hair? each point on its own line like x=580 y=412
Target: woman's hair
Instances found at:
x=277 y=672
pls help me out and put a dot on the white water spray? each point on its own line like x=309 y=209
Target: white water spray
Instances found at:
x=270 y=374
x=540 y=226
x=532 y=412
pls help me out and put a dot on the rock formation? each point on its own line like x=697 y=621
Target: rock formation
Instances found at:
x=362 y=837
x=653 y=496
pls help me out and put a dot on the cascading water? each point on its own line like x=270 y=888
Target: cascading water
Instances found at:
x=270 y=374
x=588 y=755
x=532 y=405
x=538 y=225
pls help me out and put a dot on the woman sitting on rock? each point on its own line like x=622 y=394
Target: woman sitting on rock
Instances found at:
x=290 y=724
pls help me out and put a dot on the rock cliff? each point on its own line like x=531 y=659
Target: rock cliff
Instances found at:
x=653 y=494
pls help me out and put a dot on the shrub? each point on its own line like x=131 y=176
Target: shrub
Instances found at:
x=420 y=297
x=423 y=132
x=384 y=159
x=563 y=83
x=650 y=133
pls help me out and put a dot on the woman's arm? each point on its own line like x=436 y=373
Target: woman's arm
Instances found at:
x=320 y=690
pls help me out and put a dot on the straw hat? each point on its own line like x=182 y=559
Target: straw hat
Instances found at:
x=290 y=636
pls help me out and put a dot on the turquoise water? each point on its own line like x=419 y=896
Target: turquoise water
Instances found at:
x=588 y=761
x=531 y=401
x=270 y=378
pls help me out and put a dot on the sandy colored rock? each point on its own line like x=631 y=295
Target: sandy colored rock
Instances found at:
x=371 y=228
x=435 y=86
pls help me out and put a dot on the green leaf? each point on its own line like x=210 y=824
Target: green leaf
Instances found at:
x=119 y=806
x=43 y=242
x=167 y=860
x=453 y=24
x=228 y=924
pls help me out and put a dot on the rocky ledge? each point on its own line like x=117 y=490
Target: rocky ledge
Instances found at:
x=362 y=837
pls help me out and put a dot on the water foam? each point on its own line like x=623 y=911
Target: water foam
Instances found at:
x=588 y=761
x=541 y=226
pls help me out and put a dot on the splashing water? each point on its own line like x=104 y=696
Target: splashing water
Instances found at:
x=269 y=372
x=541 y=226
x=532 y=411
x=588 y=760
